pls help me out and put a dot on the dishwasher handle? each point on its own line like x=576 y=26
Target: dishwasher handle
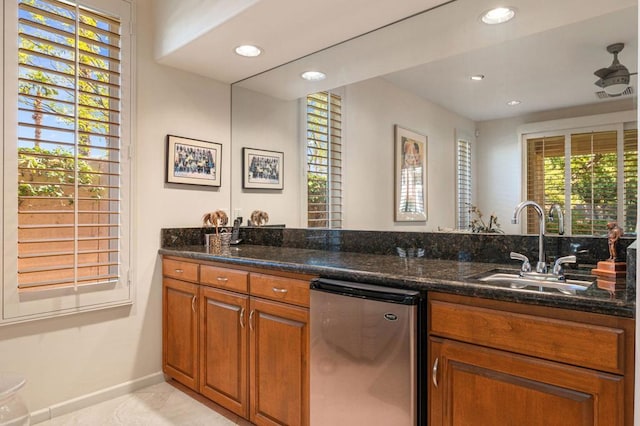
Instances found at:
x=366 y=291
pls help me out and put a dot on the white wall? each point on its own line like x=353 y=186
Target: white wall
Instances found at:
x=373 y=107
x=67 y=357
x=264 y=122
x=370 y=111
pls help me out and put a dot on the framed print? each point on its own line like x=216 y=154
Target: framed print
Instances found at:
x=193 y=162
x=262 y=169
x=410 y=176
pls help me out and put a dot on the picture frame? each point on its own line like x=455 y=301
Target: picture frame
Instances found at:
x=410 y=176
x=262 y=169
x=193 y=161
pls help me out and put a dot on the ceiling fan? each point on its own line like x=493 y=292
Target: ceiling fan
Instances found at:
x=615 y=78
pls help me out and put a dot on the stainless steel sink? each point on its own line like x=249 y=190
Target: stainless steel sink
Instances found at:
x=543 y=282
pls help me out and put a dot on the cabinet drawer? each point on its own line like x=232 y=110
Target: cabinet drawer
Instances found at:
x=288 y=290
x=224 y=278
x=186 y=271
x=571 y=342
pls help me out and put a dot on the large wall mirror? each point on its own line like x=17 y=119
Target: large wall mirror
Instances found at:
x=534 y=78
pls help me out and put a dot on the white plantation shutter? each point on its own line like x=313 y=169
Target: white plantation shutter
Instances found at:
x=463 y=184
x=630 y=176
x=324 y=160
x=71 y=149
x=594 y=182
x=546 y=184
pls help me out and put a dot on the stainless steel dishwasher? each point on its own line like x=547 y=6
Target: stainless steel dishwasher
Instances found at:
x=364 y=351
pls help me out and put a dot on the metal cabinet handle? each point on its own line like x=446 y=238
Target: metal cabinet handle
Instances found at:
x=242 y=317
x=434 y=373
x=193 y=303
x=279 y=290
x=251 y=319
x=179 y=271
x=223 y=279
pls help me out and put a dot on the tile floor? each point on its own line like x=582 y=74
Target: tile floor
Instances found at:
x=162 y=404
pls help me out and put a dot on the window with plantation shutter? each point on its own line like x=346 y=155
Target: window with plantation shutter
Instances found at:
x=324 y=160
x=71 y=157
x=463 y=184
x=593 y=173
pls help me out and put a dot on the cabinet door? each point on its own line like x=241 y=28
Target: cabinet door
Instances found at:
x=279 y=368
x=472 y=385
x=180 y=331
x=224 y=342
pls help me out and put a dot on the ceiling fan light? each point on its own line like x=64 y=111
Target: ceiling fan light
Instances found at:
x=615 y=89
x=614 y=79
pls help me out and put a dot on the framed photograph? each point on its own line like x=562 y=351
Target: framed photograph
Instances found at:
x=410 y=176
x=193 y=162
x=262 y=169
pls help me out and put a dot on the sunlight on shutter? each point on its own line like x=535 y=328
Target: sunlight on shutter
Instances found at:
x=68 y=145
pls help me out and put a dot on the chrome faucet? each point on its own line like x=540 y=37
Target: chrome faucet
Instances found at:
x=558 y=210
x=541 y=266
x=558 y=269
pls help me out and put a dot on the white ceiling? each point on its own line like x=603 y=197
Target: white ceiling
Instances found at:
x=548 y=70
x=200 y=35
x=545 y=57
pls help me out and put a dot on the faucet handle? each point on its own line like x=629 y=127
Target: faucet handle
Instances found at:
x=526 y=265
x=558 y=269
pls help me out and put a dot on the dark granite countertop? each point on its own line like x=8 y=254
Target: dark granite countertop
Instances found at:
x=415 y=273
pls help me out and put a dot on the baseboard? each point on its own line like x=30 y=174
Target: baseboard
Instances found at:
x=95 y=397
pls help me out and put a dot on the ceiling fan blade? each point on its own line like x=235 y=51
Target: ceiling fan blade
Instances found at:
x=603 y=72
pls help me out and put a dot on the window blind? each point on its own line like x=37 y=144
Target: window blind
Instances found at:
x=545 y=177
x=630 y=176
x=463 y=184
x=69 y=179
x=324 y=160
x=595 y=180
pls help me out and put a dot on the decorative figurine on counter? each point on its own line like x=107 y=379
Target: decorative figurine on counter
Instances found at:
x=215 y=219
x=259 y=218
x=614 y=268
x=614 y=234
x=216 y=242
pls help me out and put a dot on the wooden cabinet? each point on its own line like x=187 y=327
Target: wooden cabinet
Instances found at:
x=224 y=353
x=247 y=336
x=279 y=363
x=180 y=331
x=502 y=363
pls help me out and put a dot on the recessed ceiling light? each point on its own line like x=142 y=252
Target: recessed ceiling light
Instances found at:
x=313 y=75
x=499 y=15
x=514 y=102
x=477 y=77
x=248 y=50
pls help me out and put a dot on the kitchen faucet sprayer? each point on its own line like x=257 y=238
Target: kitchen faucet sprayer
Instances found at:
x=541 y=267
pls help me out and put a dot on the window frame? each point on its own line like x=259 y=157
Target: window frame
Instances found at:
x=25 y=305
x=618 y=121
